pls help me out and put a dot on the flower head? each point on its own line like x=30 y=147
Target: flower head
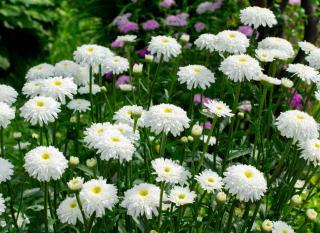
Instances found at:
x=281 y=227
x=218 y=108
x=305 y=73
x=116 y=65
x=8 y=95
x=6 y=115
x=150 y=25
x=41 y=71
x=258 y=16
x=206 y=41
x=164 y=47
x=182 y=196
x=91 y=55
x=66 y=68
x=281 y=48
x=126 y=113
x=69 y=211
x=231 y=42
x=310 y=151
x=209 y=181
x=2 y=205
x=6 y=169
x=314 y=58
x=32 y=88
x=79 y=105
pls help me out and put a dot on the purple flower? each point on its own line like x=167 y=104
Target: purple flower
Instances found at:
x=245 y=106
x=294 y=2
x=208 y=7
x=150 y=25
x=121 y=19
x=123 y=79
x=128 y=26
x=142 y=52
x=199 y=26
x=167 y=3
x=296 y=101
x=179 y=20
x=197 y=99
x=117 y=44
x=108 y=75
x=207 y=125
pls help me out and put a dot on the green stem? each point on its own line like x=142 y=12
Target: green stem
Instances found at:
x=88 y=230
x=11 y=206
x=81 y=210
x=249 y=226
x=153 y=82
x=46 y=193
x=90 y=92
x=229 y=224
x=1 y=141
x=160 y=203
x=163 y=144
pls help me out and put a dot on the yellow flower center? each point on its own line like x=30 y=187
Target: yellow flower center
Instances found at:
x=300 y=117
x=197 y=70
x=243 y=59
x=75 y=181
x=96 y=190
x=73 y=205
x=129 y=112
x=115 y=139
x=232 y=35
x=165 y=41
x=182 y=196
x=45 y=156
x=167 y=169
x=65 y=64
x=39 y=67
x=317 y=145
x=40 y=103
x=89 y=49
x=143 y=192
x=210 y=180
x=248 y=174
x=57 y=83
x=121 y=130
x=219 y=108
x=167 y=110
x=285 y=231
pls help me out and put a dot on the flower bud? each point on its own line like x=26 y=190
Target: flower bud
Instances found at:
x=91 y=163
x=240 y=115
x=17 y=135
x=184 y=140
x=153 y=231
x=296 y=200
x=221 y=197
x=190 y=138
x=157 y=148
x=185 y=38
x=137 y=68
x=149 y=58
x=73 y=119
x=267 y=226
x=75 y=184
x=196 y=131
x=311 y=215
x=103 y=89
x=34 y=135
x=126 y=87
x=74 y=161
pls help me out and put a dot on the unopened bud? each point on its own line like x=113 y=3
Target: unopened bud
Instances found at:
x=190 y=138
x=267 y=226
x=103 y=89
x=34 y=135
x=185 y=38
x=240 y=114
x=221 y=197
x=157 y=148
x=74 y=161
x=75 y=184
x=311 y=215
x=17 y=135
x=287 y=83
x=149 y=58
x=91 y=163
x=184 y=140
x=296 y=199
x=137 y=68
x=73 y=119
x=196 y=131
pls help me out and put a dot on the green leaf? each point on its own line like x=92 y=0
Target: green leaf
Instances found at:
x=239 y=153
x=4 y=63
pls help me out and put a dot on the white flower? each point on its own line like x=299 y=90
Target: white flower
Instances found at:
x=82 y=77
x=305 y=73
x=75 y=184
x=80 y=105
x=96 y=196
x=166 y=118
x=182 y=196
x=127 y=131
x=246 y=182
x=265 y=55
x=69 y=211
x=23 y=145
x=306 y=46
x=257 y=16
x=281 y=227
x=142 y=199
x=165 y=47
x=137 y=68
x=116 y=65
x=212 y=140
x=310 y=151
x=297 y=125
x=231 y=42
x=6 y=169
x=66 y=68
x=169 y=171
x=32 y=88
x=91 y=55
x=195 y=76
x=45 y=163
x=41 y=71
x=124 y=114
x=126 y=87
x=127 y=38
x=40 y=110
x=270 y=80
x=281 y=48
x=240 y=67
x=206 y=41
x=2 y=205
x=86 y=90
x=115 y=145
x=314 y=58
x=209 y=181
x=8 y=95
x=286 y=83
x=59 y=88
x=6 y=114
x=96 y=133
x=218 y=108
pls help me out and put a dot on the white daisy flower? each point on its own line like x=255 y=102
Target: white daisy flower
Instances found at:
x=142 y=199
x=45 y=163
x=127 y=38
x=166 y=118
x=69 y=211
x=270 y=80
x=23 y=146
x=209 y=181
x=115 y=146
x=297 y=125
x=75 y=184
x=306 y=46
x=67 y=68
x=59 y=88
x=246 y=182
x=79 y=105
x=212 y=140
x=169 y=171
x=40 y=110
x=116 y=64
x=195 y=76
x=82 y=78
x=281 y=227
x=182 y=196
x=8 y=95
x=281 y=48
x=264 y=55
x=231 y=42
x=6 y=115
x=97 y=196
x=127 y=131
x=206 y=41
x=218 y=108
x=257 y=16
x=240 y=67
x=32 y=88
x=96 y=133
x=41 y=71
x=314 y=58
x=165 y=47
x=86 y=90
x=2 y=205
x=310 y=151
x=6 y=169
x=305 y=73
x=91 y=55
x=124 y=114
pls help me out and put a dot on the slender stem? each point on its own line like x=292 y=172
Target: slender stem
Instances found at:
x=81 y=210
x=1 y=141
x=163 y=144
x=229 y=224
x=11 y=206
x=249 y=226
x=41 y=135
x=90 y=92
x=153 y=82
x=88 y=230
x=160 y=203
x=46 y=193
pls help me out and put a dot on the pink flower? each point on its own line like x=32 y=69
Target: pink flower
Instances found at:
x=197 y=99
x=179 y=20
x=199 y=26
x=123 y=79
x=207 y=125
x=296 y=101
x=121 y=19
x=117 y=44
x=150 y=25
x=245 y=106
x=208 y=7
x=294 y=2
x=167 y=3
x=128 y=26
